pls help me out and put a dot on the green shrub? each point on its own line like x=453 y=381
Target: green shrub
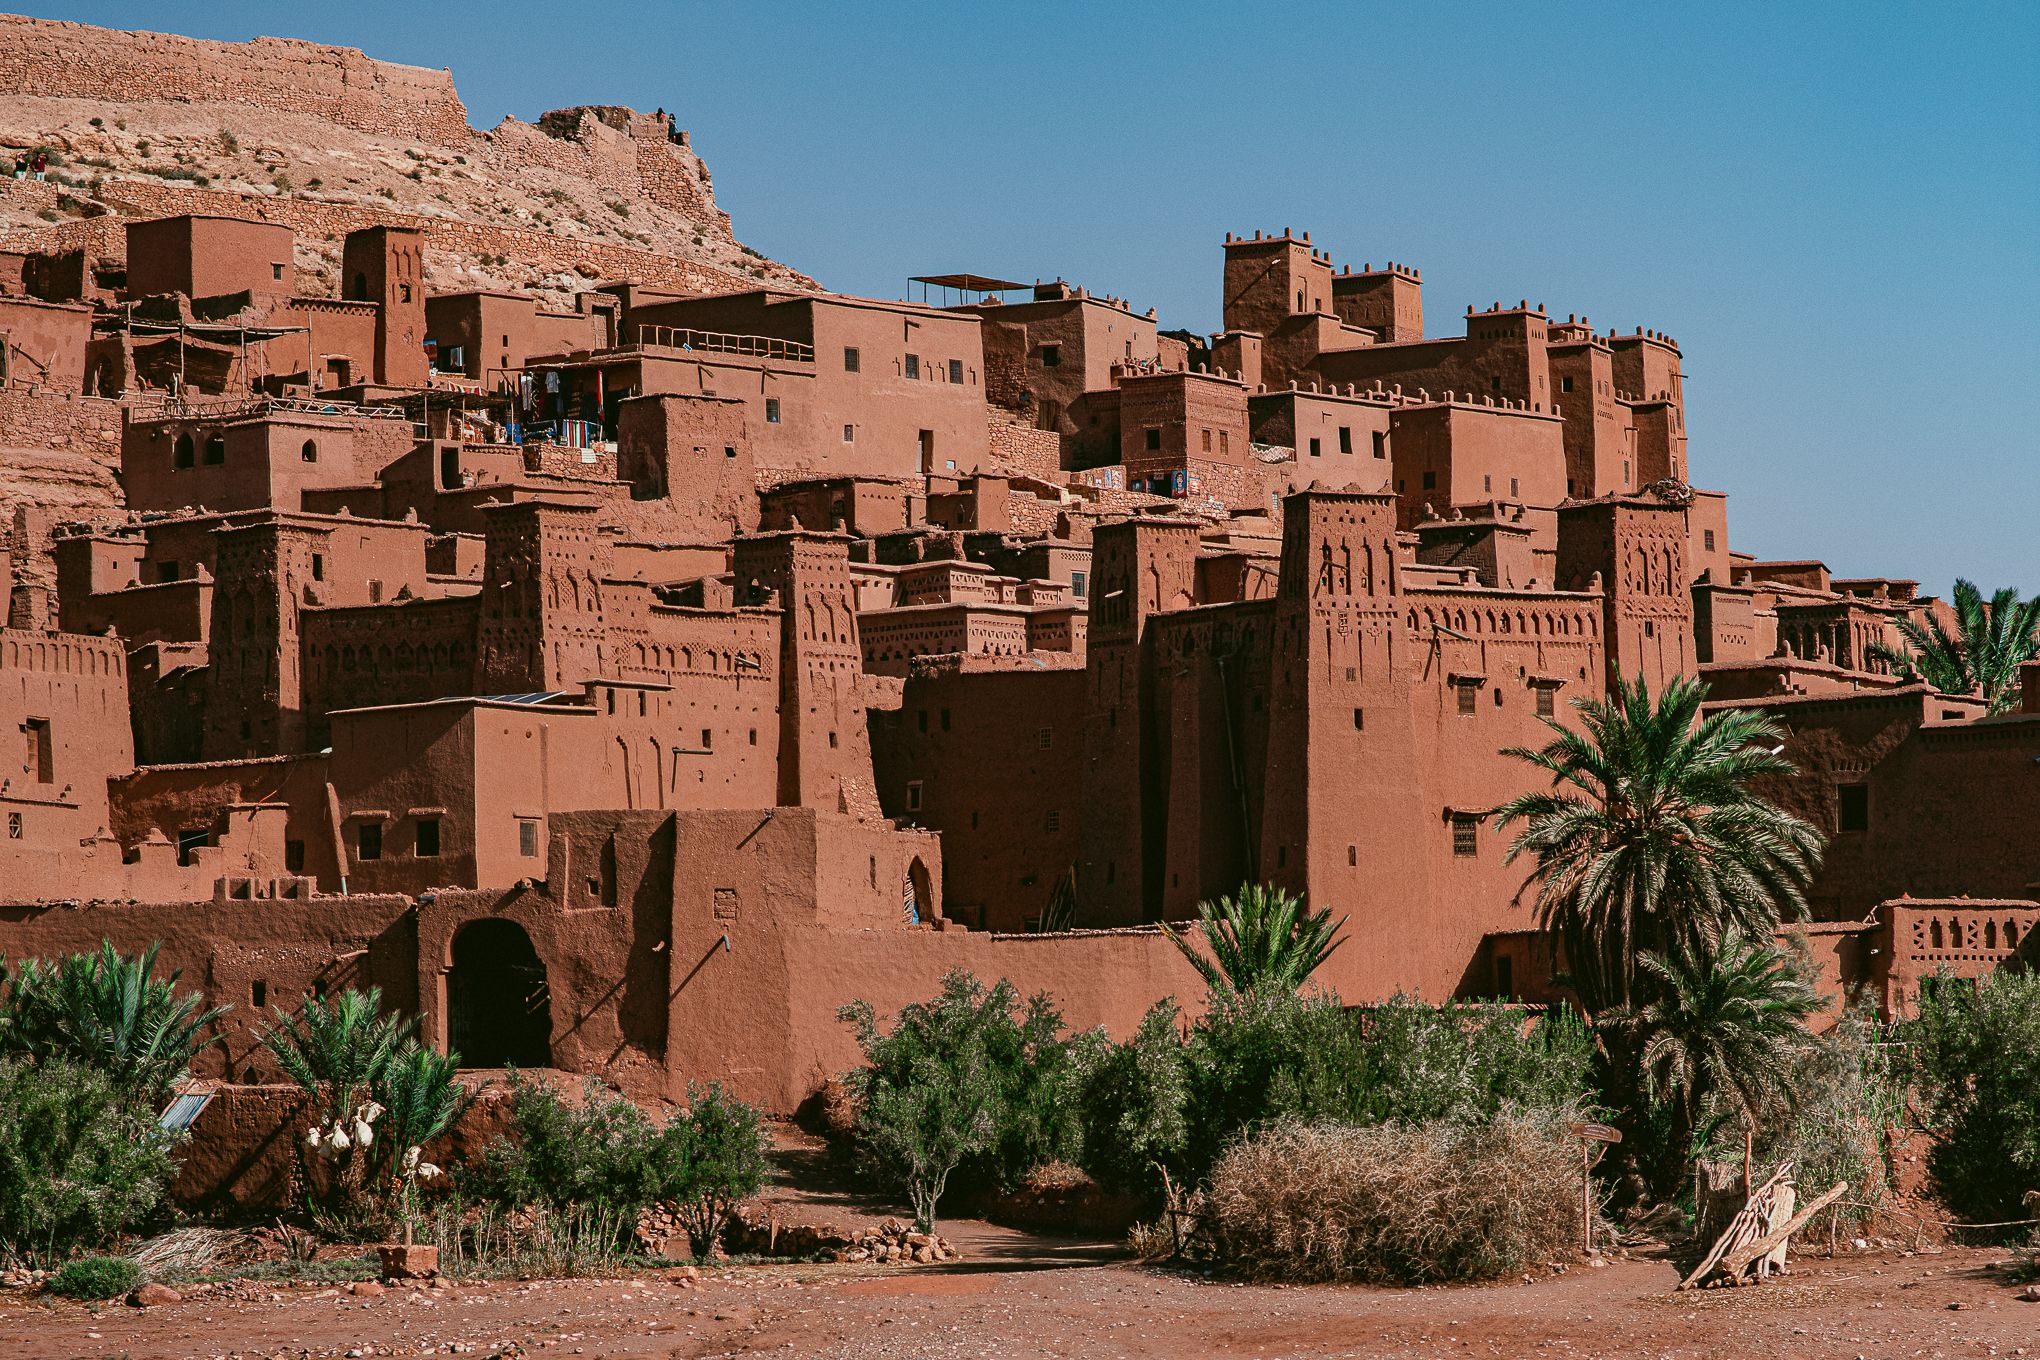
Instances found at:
x=79 y=1164
x=98 y=1277
x=724 y=1143
x=1977 y=1057
x=1848 y=1097
x=607 y=1159
x=1404 y=1204
x=1133 y=1101
x=962 y=1085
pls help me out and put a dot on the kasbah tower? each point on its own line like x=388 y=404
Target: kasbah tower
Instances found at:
x=623 y=652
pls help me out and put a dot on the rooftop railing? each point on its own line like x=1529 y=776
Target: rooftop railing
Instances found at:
x=719 y=342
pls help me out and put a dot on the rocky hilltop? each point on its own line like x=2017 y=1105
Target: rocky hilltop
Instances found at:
x=326 y=139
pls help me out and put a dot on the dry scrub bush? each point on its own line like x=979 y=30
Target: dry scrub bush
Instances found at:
x=1396 y=1203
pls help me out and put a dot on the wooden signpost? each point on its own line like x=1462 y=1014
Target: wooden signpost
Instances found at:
x=1590 y=1134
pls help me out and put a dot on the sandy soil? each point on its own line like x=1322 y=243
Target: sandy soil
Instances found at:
x=1022 y=1296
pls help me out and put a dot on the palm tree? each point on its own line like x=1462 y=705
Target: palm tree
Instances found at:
x=109 y=1012
x=1262 y=941
x=1720 y=1031
x=338 y=1049
x=1983 y=657
x=421 y=1095
x=1651 y=837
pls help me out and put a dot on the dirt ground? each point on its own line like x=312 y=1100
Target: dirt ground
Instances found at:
x=1017 y=1295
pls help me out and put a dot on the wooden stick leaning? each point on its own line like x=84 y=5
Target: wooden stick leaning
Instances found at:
x=1735 y=1260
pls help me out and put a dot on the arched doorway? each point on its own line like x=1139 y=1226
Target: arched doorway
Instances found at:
x=919 y=899
x=498 y=1006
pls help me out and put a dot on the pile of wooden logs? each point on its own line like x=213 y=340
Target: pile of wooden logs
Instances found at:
x=1755 y=1241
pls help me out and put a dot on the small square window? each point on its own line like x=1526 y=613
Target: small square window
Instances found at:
x=1853 y=802
x=1465 y=835
x=1154 y=438
x=1547 y=701
x=913 y=365
x=1565 y=384
x=527 y=837
x=729 y=451
x=1051 y=356
x=275 y=271
x=1077 y=583
x=368 y=841
x=771 y=410
x=852 y=362
x=428 y=838
x=849 y=434
x=1495 y=383
x=956 y=371
x=1315 y=448
x=1430 y=481
x=1468 y=699
x=1045 y=739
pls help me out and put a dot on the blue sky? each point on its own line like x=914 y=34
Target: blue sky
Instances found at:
x=1834 y=208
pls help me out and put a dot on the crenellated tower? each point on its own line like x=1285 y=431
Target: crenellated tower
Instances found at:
x=824 y=745
x=541 y=624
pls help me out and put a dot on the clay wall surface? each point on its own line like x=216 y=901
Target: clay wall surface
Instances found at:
x=1599 y=453
x=1941 y=805
x=1447 y=455
x=45 y=345
x=63 y=709
x=206 y=257
x=1088 y=337
x=869 y=421
x=497 y=333
x=268 y=462
x=1501 y=356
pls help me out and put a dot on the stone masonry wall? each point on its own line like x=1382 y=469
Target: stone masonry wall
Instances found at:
x=63 y=60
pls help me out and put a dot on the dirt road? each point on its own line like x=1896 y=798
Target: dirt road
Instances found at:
x=1030 y=1303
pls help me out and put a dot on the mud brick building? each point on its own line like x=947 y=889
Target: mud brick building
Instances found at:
x=625 y=682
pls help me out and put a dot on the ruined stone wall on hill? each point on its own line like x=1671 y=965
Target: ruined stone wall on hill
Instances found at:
x=57 y=60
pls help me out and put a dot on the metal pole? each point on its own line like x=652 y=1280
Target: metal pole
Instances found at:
x=1587 y=1195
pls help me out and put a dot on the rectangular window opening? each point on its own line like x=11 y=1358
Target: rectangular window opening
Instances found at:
x=527 y=837
x=428 y=838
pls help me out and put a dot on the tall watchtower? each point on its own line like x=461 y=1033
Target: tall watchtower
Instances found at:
x=1269 y=279
x=824 y=746
x=385 y=265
